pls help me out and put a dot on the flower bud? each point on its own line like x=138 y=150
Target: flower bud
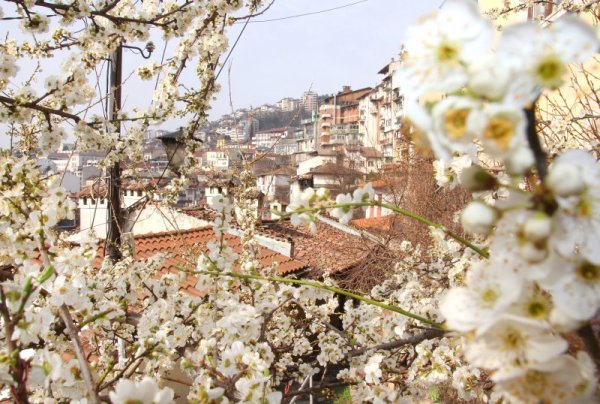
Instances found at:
x=538 y=227
x=520 y=161
x=308 y=197
x=476 y=179
x=488 y=79
x=565 y=180
x=478 y=218
x=533 y=254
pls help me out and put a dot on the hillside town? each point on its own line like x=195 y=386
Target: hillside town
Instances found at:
x=338 y=142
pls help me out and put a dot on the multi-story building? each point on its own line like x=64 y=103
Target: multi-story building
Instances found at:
x=266 y=139
x=250 y=126
x=289 y=104
x=310 y=101
x=339 y=117
x=380 y=112
x=217 y=160
x=305 y=142
x=76 y=161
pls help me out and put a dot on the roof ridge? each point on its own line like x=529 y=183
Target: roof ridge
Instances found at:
x=173 y=232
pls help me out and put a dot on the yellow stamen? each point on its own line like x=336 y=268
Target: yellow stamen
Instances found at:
x=455 y=123
x=499 y=130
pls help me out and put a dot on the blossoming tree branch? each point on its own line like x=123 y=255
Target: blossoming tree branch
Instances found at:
x=490 y=316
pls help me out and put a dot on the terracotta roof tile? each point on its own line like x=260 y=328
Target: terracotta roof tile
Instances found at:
x=335 y=169
x=383 y=223
x=329 y=250
x=183 y=247
x=371 y=152
x=388 y=183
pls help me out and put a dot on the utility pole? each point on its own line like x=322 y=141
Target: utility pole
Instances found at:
x=115 y=220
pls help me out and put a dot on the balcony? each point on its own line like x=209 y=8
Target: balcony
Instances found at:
x=386 y=141
x=349 y=129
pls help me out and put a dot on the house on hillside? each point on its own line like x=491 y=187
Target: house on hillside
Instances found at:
x=266 y=139
x=339 y=118
x=141 y=208
x=333 y=176
x=364 y=159
x=275 y=185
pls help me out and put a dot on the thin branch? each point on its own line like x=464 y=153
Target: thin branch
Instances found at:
x=395 y=209
x=414 y=340
x=323 y=286
x=72 y=331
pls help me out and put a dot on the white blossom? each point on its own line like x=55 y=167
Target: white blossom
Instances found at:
x=478 y=217
x=144 y=391
x=440 y=45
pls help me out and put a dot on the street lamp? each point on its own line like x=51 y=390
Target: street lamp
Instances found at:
x=175 y=148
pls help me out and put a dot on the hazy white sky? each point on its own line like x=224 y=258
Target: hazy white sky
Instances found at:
x=283 y=57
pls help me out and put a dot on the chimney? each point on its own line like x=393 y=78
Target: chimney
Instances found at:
x=346 y=89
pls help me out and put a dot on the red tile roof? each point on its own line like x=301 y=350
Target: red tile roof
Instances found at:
x=184 y=247
x=202 y=212
x=329 y=250
x=335 y=169
x=383 y=223
x=94 y=191
x=371 y=152
x=388 y=183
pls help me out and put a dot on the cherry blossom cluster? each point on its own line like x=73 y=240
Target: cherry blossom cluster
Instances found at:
x=256 y=336
x=542 y=278
x=304 y=210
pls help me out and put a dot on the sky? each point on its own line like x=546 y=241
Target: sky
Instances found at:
x=338 y=42
x=324 y=51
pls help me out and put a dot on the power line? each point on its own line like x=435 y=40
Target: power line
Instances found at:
x=309 y=13
x=253 y=21
x=233 y=47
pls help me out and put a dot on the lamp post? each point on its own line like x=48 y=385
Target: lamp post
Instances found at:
x=115 y=216
x=115 y=219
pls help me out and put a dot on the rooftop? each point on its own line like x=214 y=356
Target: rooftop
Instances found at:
x=371 y=152
x=183 y=247
x=335 y=169
x=329 y=250
x=376 y=224
x=289 y=171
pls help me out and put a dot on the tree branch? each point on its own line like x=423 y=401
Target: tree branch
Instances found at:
x=72 y=331
x=534 y=143
x=414 y=340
